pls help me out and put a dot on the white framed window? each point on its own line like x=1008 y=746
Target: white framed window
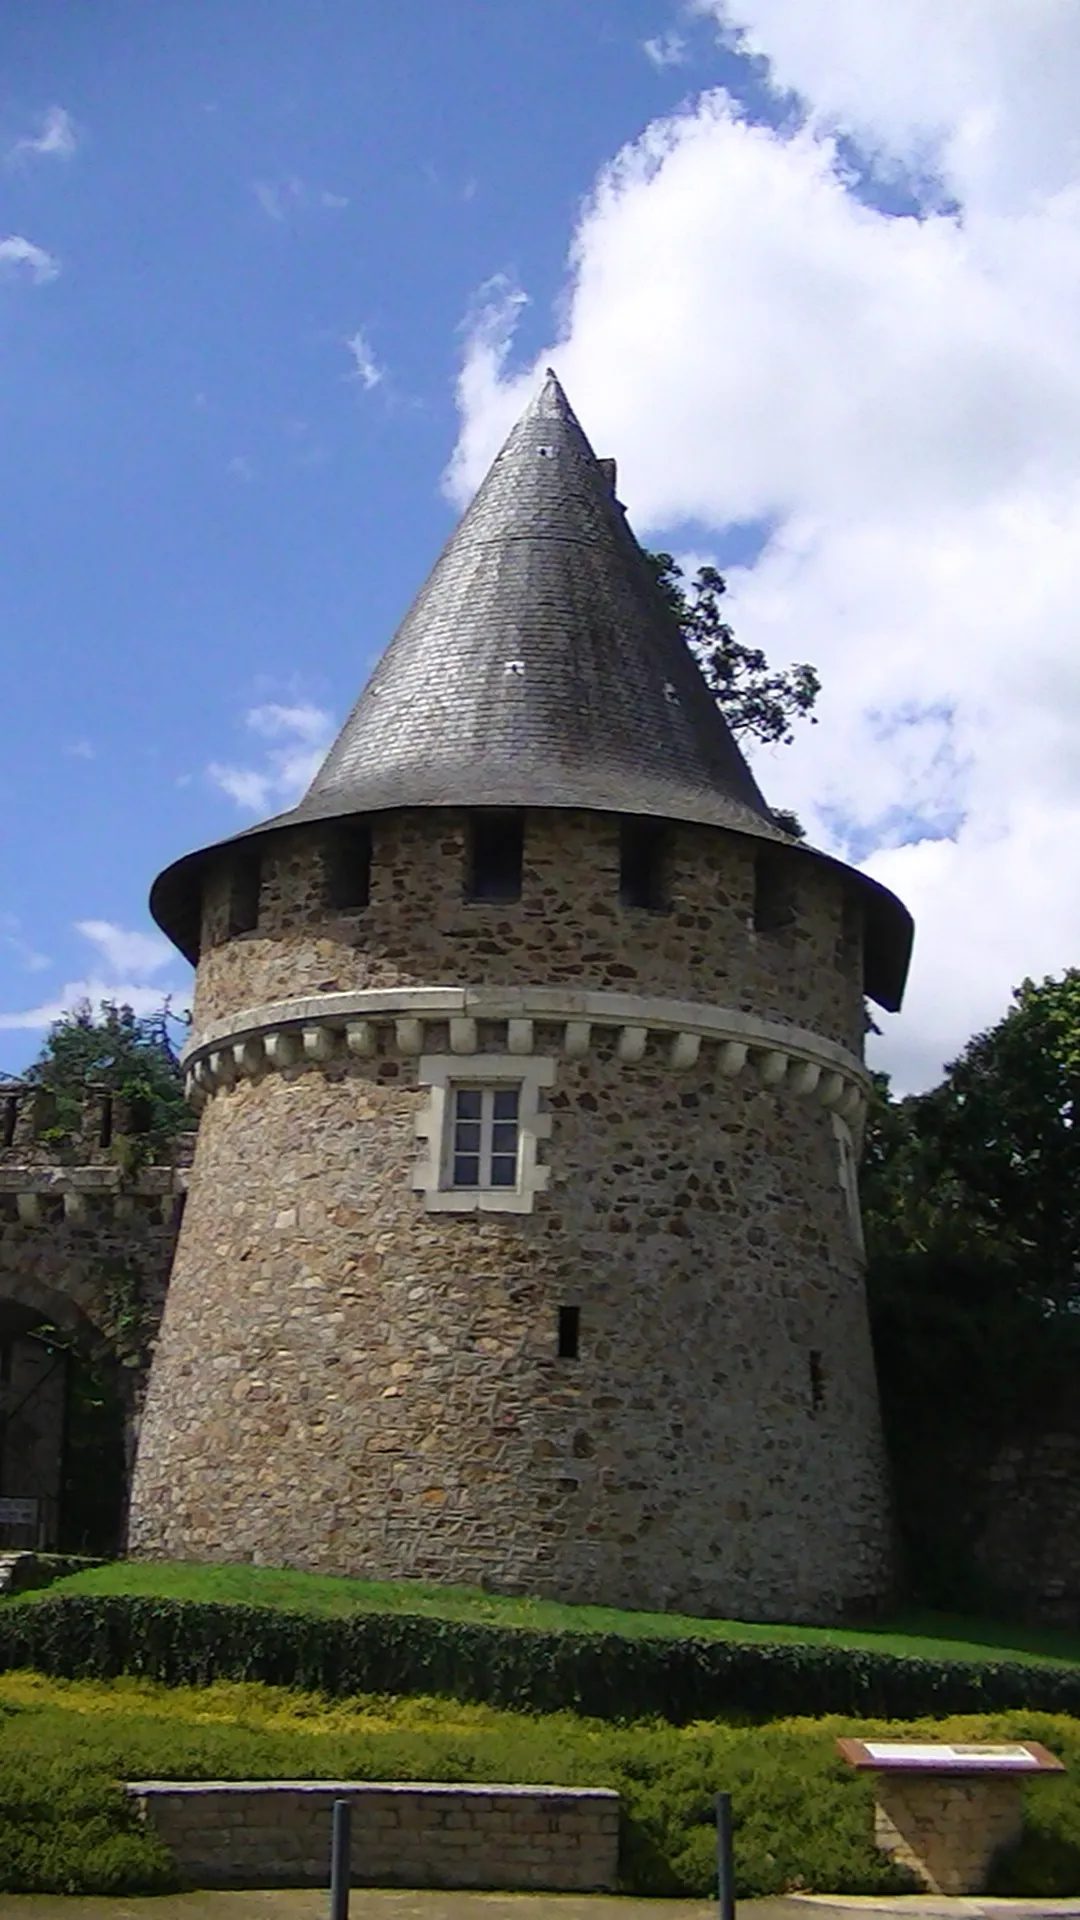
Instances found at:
x=479 y=1132
x=483 y=1137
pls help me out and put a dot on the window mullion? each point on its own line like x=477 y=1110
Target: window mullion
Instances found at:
x=486 y=1135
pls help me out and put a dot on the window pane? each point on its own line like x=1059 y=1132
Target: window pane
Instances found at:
x=504 y=1169
x=467 y=1136
x=506 y=1103
x=504 y=1136
x=466 y=1169
x=468 y=1103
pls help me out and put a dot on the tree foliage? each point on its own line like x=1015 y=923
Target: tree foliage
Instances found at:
x=986 y=1167
x=972 y=1209
x=756 y=701
x=113 y=1047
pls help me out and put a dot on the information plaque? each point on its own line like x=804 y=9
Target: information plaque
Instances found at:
x=927 y=1756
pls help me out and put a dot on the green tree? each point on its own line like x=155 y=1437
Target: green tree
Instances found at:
x=113 y=1048
x=755 y=701
x=987 y=1165
x=971 y=1201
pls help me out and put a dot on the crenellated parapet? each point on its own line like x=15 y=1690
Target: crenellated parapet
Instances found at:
x=103 y=1165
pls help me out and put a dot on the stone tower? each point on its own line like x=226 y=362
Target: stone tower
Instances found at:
x=522 y=1244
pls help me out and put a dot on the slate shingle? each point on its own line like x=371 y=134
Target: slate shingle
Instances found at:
x=540 y=666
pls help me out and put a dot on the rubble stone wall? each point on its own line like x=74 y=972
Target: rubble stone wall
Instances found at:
x=568 y=929
x=86 y=1241
x=346 y=1381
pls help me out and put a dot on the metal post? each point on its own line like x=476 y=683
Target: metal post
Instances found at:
x=340 y=1860
x=725 y=1862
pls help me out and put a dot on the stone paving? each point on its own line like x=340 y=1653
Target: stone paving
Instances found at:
x=368 y=1904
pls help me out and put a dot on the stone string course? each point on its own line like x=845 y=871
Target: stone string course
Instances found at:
x=346 y=1381
x=277 y=1833
x=318 y=1029
x=947 y=1829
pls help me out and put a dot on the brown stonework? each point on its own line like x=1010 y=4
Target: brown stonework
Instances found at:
x=567 y=930
x=348 y=1382
x=242 y=1833
x=945 y=1829
x=85 y=1246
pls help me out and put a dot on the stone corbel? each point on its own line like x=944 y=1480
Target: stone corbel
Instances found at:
x=320 y=1044
x=684 y=1051
x=631 y=1044
x=731 y=1057
x=410 y=1035
x=282 y=1049
x=462 y=1036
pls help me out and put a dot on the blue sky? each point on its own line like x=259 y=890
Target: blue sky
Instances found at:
x=208 y=508
x=276 y=277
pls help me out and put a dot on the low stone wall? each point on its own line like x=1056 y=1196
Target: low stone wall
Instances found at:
x=248 y=1833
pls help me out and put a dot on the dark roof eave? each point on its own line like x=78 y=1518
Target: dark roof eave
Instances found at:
x=175 y=898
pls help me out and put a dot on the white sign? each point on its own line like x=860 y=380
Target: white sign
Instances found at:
x=909 y=1754
x=18 y=1513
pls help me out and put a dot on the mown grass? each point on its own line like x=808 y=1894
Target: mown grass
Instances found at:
x=923 y=1635
x=803 y=1819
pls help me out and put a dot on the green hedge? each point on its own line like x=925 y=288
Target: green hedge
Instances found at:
x=603 y=1675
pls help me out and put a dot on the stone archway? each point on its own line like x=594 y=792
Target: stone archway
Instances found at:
x=64 y=1414
x=81 y=1299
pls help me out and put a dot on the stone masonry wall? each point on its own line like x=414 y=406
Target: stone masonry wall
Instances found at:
x=84 y=1244
x=1027 y=1540
x=945 y=1829
x=568 y=929
x=277 y=1834
x=345 y=1381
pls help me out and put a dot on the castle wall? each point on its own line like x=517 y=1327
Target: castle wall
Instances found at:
x=348 y=1381
x=86 y=1245
x=568 y=928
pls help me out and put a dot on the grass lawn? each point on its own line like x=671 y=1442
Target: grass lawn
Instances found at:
x=927 y=1635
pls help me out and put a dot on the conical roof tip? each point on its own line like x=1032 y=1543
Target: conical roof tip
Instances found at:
x=539 y=666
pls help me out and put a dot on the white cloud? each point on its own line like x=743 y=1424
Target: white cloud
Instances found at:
x=57 y=138
x=986 y=93
x=13 y=938
x=128 y=961
x=365 y=367
x=93 y=990
x=897 y=400
x=19 y=255
x=240 y=467
x=303 y=722
x=301 y=734
x=249 y=788
x=279 y=198
x=665 y=50
x=283 y=198
x=125 y=951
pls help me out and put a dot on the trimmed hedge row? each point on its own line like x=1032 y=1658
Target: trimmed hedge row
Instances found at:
x=183 y=1642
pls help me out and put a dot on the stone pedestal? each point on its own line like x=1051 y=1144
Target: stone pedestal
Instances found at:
x=946 y=1828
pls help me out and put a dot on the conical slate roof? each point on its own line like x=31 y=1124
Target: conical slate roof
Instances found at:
x=540 y=666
